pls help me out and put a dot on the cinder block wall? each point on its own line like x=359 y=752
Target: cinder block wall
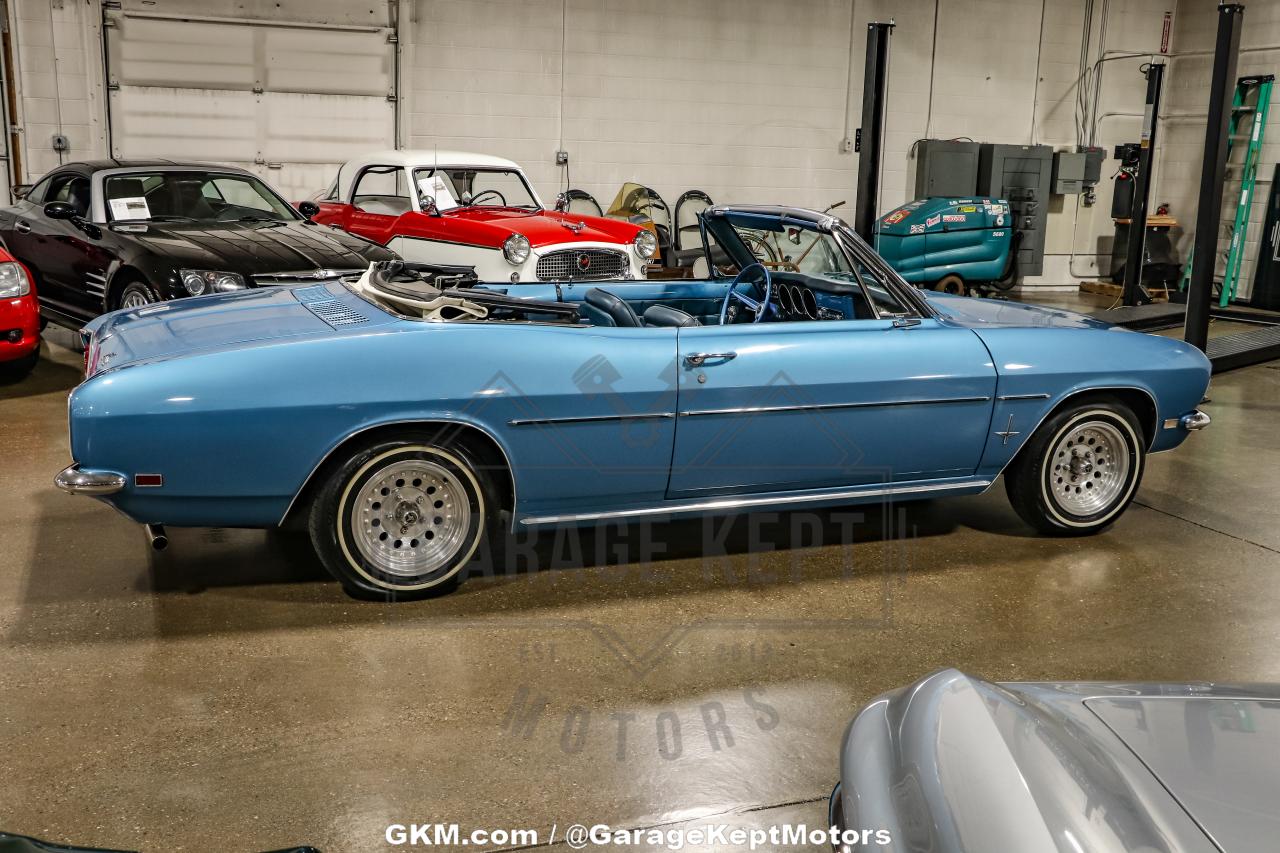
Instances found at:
x=746 y=99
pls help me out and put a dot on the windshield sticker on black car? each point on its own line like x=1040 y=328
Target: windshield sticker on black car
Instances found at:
x=134 y=207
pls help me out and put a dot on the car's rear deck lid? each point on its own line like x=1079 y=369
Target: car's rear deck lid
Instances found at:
x=1218 y=756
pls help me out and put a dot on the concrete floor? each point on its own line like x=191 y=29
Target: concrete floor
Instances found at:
x=224 y=695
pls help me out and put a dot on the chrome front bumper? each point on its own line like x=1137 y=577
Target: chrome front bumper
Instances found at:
x=1194 y=421
x=74 y=481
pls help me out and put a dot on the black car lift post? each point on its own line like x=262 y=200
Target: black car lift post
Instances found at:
x=1134 y=293
x=869 y=140
x=1212 y=175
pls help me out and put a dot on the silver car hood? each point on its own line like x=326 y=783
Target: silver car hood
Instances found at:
x=954 y=763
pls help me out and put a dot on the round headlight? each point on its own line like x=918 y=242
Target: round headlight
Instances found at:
x=646 y=244
x=194 y=282
x=516 y=249
x=227 y=281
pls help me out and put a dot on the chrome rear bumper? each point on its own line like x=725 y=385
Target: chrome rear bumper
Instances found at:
x=74 y=481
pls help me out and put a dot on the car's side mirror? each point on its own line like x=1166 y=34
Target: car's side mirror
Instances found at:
x=20 y=191
x=308 y=209
x=562 y=202
x=429 y=205
x=61 y=210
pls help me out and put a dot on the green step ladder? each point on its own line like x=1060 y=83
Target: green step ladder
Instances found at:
x=1251 y=101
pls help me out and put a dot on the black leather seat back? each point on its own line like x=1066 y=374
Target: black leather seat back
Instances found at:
x=665 y=315
x=617 y=309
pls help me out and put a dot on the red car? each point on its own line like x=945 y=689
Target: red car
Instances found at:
x=19 y=319
x=450 y=207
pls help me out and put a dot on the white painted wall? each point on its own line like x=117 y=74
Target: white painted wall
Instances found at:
x=746 y=99
x=57 y=47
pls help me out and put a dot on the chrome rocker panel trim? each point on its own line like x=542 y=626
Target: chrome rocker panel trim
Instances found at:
x=587 y=419
x=819 y=407
x=73 y=481
x=728 y=504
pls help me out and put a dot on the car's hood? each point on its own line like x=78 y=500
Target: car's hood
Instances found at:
x=977 y=312
x=489 y=226
x=255 y=247
x=227 y=320
x=955 y=763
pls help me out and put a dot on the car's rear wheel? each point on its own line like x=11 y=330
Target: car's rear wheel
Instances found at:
x=1080 y=470
x=136 y=294
x=951 y=284
x=401 y=518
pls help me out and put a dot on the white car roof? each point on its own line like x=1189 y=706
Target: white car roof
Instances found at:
x=419 y=157
x=430 y=157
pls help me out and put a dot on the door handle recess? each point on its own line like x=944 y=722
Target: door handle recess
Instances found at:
x=697 y=359
x=22 y=226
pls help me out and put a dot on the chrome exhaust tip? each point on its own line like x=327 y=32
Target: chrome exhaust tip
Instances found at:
x=156 y=536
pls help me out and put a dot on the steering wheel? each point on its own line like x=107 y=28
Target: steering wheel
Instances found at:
x=475 y=199
x=750 y=274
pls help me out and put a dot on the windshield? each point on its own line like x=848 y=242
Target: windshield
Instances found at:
x=475 y=188
x=791 y=248
x=194 y=196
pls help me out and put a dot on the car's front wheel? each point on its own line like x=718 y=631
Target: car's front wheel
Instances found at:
x=136 y=294
x=401 y=518
x=1080 y=470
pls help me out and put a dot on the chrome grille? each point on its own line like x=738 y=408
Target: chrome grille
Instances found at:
x=335 y=313
x=302 y=276
x=568 y=265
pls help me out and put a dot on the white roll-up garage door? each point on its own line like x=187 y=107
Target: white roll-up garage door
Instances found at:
x=290 y=101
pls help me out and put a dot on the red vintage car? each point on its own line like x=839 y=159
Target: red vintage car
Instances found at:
x=450 y=207
x=19 y=320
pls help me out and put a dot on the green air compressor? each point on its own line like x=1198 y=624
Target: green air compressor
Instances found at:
x=950 y=244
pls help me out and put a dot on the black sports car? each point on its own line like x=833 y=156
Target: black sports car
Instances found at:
x=115 y=234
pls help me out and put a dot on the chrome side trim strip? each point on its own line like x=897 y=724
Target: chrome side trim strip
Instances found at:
x=1023 y=397
x=817 y=407
x=587 y=419
x=737 y=503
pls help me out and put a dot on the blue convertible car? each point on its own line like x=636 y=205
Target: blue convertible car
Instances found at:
x=399 y=416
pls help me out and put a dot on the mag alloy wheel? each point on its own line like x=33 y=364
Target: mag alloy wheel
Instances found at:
x=410 y=518
x=401 y=518
x=1088 y=468
x=136 y=295
x=1080 y=470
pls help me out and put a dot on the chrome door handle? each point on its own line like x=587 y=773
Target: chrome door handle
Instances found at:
x=22 y=227
x=697 y=359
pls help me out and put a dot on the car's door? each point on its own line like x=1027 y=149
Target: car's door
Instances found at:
x=17 y=227
x=379 y=196
x=807 y=405
x=72 y=256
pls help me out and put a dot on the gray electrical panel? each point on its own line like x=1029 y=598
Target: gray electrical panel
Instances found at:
x=1023 y=174
x=946 y=167
x=1068 y=172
